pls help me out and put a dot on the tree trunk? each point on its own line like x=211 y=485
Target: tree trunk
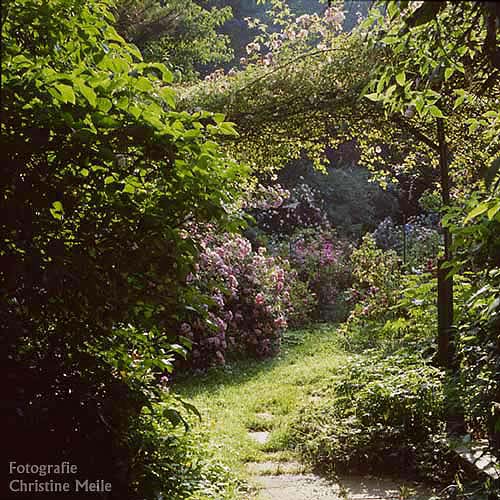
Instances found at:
x=445 y=285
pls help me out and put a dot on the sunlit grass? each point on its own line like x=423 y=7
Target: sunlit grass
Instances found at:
x=230 y=399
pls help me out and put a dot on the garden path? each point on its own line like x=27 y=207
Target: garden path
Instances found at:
x=290 y=480
x=247 y=407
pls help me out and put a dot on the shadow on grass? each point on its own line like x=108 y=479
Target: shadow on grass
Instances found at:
x=296 y=344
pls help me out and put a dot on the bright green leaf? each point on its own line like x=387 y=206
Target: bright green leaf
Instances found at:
x=493 y=211
x=435 y=111
x=227 y=128
x=169 y=95
x=57 y=210
x=374 y=96
x=67 y=93
x=481 y=208
x=87 y=92
x=143 y=84
x=219 y=117
x=103 y=104
x=129 y=188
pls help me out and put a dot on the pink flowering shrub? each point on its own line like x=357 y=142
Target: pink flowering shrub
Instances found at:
x=251 y=297
x=322 y=261
x=294 y=225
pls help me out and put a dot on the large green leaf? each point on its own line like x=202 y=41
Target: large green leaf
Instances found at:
x=66 y=92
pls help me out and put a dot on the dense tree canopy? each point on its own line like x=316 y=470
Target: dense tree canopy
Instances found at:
x=184 y=35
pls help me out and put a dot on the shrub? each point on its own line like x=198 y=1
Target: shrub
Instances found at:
x=476 y=229
x=174 y=463
x=376 y=288
x=322 y=261
x=479 y=355
x=251 y=297
x=379 y=417
x=303 y=208
x=97 y=182
x=423 y=240
x=413 y=320
x=293 y=224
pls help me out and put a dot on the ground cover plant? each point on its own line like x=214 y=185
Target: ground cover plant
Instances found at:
x=380 y=416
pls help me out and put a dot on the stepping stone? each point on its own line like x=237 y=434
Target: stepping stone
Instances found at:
x=364 y=488
x=297 y=487
x=478 y=456
x=313 y=487
x=260 y=437
x=270 y=468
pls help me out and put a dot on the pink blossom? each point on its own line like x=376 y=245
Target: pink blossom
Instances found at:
x=280 y=322
x=233 y=282
x=278 y=202
x=218 y=298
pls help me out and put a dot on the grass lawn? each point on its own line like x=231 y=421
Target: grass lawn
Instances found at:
x=251 y=395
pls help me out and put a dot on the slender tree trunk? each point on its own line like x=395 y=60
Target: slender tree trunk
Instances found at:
x=445 y=285
x=404 y=241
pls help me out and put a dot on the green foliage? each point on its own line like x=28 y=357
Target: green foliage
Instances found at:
x=430 y=58
x=299 y=93
x=345 y=193
x=372 y=267
x=475 y=228
x=479 y=355
x=441 y=63
x=174 y=463
x=100 y=177
x=376 y=288
x=181 y=34
x=376 y=416
x=297 y=90
x=304 y=302
x=474 y=225
x=439 y=67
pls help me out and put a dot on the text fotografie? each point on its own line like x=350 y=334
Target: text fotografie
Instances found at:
x=43 y=469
